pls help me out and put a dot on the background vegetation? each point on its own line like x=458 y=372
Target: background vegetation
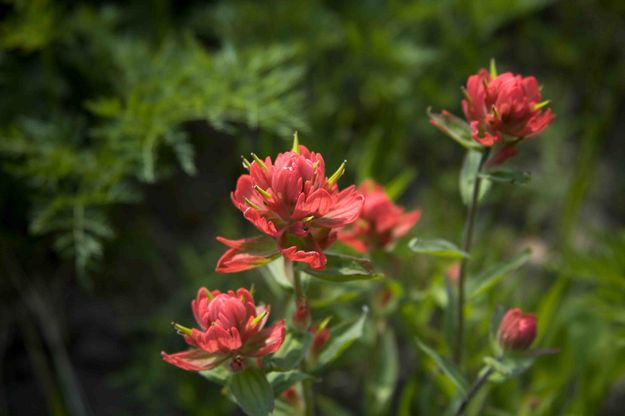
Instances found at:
x=121 y=128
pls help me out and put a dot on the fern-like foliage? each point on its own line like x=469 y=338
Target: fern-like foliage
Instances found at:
x=181 y=82
x=80 y=161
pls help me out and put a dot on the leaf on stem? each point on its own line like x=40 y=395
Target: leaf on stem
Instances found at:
x=382 y=381
x=280 y=381
x=293 y=350
x=507 y=176
x=448 y=368
x=252 y=392
x=490 y=278
x=468 y=175
x=341 y=337
x=436 y=247
x=454 y=127
x=341 y=268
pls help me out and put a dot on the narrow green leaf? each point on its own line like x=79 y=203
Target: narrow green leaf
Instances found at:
x=280 y=381
x=405 y=400
x=468 y=174
x=490 y=278
x=494 y=327
x=398 y=185
x=507 y=176
x=292 y=351
x=275 y=270
x=252 y=392
x=342 y=268
x=219 y=375
x=450 y=370
x=436 y=247
x=454 y=127
x=341 y=337
x=381 y=383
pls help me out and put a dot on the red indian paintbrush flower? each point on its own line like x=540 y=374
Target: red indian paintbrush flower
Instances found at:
x=504 y=106
x=295 y=206
x=517 y=330
x=231 y=328
x=381 y=221
x=321 y=337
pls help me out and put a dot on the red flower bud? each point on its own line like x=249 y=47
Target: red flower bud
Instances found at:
x=291 y=396
x=381 y=221
x=301 y=316
x=517 y=330
x=321 y=338
x=231 y=328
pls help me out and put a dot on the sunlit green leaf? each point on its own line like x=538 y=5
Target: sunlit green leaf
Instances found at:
x=436 y=247
x=468 y=175
x=280 y=381
x=293 y=350
x=341 y=337
x=342 y=268
x=447 y=367
x=252 y=392
x=490 y=278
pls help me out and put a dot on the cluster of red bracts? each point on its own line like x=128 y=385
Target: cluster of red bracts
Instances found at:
x=296 y=207
x=503 y=110
x=301 y=212
x=230 y=329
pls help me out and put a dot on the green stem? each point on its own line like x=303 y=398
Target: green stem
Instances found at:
x=309 y=407
x=466 y=247
x=473 y=391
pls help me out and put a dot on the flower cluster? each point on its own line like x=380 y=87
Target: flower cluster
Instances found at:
x=296 y=207
x=504 y=106
x=381 y=221
x=231 y=328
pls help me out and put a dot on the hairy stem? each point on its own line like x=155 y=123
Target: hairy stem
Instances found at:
x=466 y=247
x=309 y=407
x=473 y=391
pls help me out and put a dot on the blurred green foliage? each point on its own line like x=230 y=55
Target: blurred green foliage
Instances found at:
x=121 y=126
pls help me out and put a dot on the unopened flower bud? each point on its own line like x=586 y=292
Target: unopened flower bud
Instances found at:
x=322 y=334
x=517 y=330
x=301 y=316
x=291 y=396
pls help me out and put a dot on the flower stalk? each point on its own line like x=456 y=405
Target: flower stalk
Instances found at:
x=473 y=391
x=466 y=247
x=300 y=298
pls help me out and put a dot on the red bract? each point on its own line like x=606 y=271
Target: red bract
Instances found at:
x=322 y=335
x=381 y=221
x=231 y=328
x=505 y=105
x=295 y=206
x=517 y=330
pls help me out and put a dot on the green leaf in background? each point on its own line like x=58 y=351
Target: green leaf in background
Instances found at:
x=252 y=392
x=450 y=370
x=292 y=351
x=494 y=326
x=468 y=174
x=436 y=247
x=487 y=280
x=280 y=381
x=398 y=185
x=454 y=127
x=507 y=176
x=341 y=268
x=219 y=375
x=275 y=271
x=382 y=381
x=341 y=337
